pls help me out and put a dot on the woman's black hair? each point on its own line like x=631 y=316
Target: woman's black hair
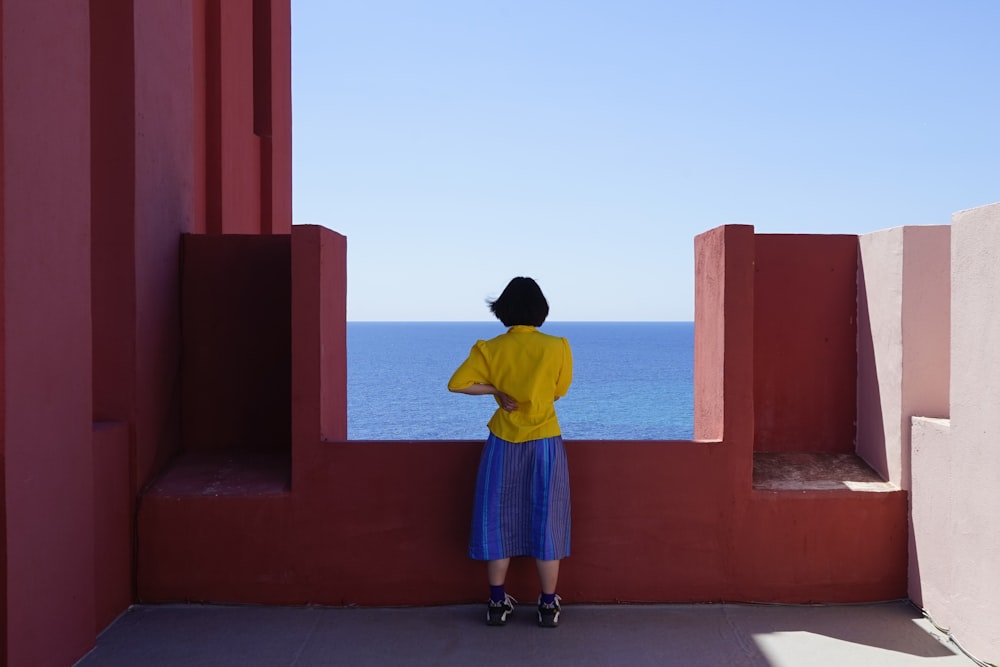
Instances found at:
x=521 y=302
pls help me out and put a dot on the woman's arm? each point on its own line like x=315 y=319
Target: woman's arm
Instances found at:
x=478 y=389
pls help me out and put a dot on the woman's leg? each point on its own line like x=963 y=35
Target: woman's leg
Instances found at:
x=548 y=575
x=500 y=605
x=496 y=571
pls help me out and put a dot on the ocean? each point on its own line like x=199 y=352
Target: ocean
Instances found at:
x=631 y=381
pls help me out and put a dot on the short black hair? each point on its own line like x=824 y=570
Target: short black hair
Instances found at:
x=521 y=302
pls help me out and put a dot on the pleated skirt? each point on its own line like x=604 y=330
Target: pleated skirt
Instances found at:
x=521 y=506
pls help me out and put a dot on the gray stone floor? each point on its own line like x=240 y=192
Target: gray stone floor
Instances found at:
x=880 y=635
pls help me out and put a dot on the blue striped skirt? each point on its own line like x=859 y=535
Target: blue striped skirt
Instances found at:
x=521 y=506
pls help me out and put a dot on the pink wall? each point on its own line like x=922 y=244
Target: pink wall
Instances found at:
x=880 y=354
x=956 y=464
x=927 y=407
x=903 y=340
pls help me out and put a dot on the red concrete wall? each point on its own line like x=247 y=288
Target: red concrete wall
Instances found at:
x=247 y=103
x=653 y=521
x=821 y=546
x=684 y=528
x=3 y=374
x=319 y=347
x=276 y=162
x=236 y=370
x=114 y=509
x=805 y=343
x=165 y=158
x=237 y=192
x=113 y=300
x=723 y=353
x=112 y=199
x=46 y=341
x=107 y=135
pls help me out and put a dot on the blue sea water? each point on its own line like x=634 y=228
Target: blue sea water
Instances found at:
x=631 y=380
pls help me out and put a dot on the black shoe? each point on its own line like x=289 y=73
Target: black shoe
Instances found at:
x=548 y=614
x=497 y=612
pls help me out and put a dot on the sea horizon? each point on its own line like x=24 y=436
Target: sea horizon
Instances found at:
x=633 y=380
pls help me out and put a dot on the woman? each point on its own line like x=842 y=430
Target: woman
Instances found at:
x=522 y=504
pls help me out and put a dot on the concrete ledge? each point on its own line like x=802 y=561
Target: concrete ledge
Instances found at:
x=225 y=473
x=815 y=471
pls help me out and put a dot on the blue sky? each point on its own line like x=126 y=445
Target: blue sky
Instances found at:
x=460 y=143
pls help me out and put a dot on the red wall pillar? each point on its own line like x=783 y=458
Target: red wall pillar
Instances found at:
x=276 y=161
x=319 y=347
x=113 y=311
x=46 y=341
x=247 y=64
x=112 y=70
x=723 y=341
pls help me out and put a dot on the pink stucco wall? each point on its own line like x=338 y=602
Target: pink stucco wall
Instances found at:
x=928 y=341
x=955 y=522
x=903 y=334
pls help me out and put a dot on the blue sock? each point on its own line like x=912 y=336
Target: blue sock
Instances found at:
x=497 y=593
x=548 y=598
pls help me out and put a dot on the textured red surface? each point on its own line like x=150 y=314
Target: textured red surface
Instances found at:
x=49 y=540
x=385 y=523
x=111 y=112
x=236 y=368
x=114 y=511
x=805 y=342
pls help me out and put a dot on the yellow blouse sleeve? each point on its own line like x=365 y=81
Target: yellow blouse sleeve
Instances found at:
x=473 y=370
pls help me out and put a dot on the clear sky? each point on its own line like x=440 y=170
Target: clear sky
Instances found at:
x=586 y=142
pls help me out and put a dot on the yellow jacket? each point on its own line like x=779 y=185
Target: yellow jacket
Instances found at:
x=531 y=367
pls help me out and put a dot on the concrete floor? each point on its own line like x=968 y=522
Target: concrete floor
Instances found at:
x=881 y=635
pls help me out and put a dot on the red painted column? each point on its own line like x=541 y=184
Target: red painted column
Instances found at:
x=46 y=340
x=276 y=182
x=243 y=87
x=199 y=106
x=723 y=335
x=233 y=164
x=113 y=307
x=319 y=346
x=112 y=66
